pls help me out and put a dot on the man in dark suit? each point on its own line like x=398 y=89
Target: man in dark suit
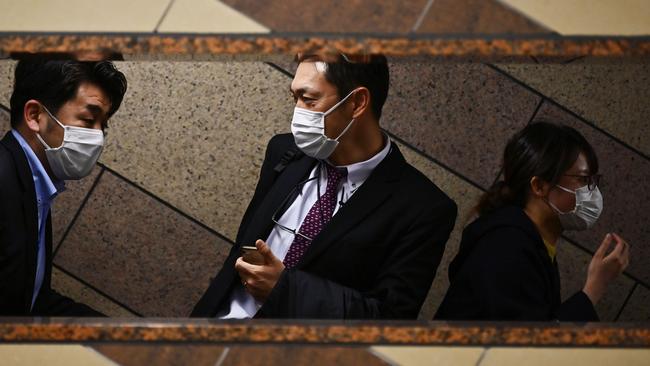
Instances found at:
x=59 y=110
x=344 y=226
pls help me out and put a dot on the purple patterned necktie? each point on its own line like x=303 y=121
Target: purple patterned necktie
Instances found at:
x=315 y=219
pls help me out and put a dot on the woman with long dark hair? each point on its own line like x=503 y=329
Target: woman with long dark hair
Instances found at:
x=506 y=267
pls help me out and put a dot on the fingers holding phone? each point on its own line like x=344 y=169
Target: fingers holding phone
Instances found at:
x=259 y=269
x=251 y=255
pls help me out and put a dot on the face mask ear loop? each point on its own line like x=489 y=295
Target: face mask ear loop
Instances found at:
x=38 y=136
x=565 y=189
x=338 y=104
x=345 y=130
x=54 y=118
x=557 y=210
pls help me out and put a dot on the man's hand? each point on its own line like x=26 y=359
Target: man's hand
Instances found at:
x=259 y=280
x=604 y=269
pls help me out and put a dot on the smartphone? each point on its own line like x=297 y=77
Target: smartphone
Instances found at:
x=251 y=255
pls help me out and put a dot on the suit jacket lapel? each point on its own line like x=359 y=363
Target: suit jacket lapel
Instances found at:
x=261 y=223
x=259 y=227
x=377 y=188
x=29 y=210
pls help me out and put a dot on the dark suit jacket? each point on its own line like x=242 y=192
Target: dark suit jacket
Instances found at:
x=19 y=240
x=376 y=258
x=503 y=272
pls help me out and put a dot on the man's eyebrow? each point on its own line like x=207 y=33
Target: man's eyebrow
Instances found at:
x=303 y=90
x=95 y=109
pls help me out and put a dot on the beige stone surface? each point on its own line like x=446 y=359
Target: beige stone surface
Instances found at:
x=51 y=355
x=77 y=291
x=67 y=203
x=81 y=15
x=6 y=80
x=613 y=96
x=565 y=356
x=416 y=356
x=5 y=125
x=638 y=307
x=588 y=17
x=207 y=16
x=466 y=196
x=195 y=133
x=141 y=252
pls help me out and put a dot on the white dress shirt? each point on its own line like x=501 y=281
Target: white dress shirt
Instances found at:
x=242 y=304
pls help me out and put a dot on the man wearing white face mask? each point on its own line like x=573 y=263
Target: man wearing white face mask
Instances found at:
x=344 y=226
x=59 y=110
x=506 y=267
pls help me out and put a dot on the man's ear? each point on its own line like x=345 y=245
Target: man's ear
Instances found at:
x=31 y=115
x=361 y=100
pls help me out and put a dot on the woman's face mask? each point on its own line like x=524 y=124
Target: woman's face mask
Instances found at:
x=78 y=153
x=587 y=210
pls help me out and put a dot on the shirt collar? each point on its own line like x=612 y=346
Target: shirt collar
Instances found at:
x=359 y=172
x=46 y=189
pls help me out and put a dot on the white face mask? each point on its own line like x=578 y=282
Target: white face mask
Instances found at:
x=308 y=128
x=589 y=206
x=78 y=153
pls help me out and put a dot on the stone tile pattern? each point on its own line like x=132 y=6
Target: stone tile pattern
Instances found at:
x=6 y=80
x=137 y=250
x=305 y=332
x=585 y=17
x=5 y=124
x=505 y=356
x=334 y=16
x=434 y=107
x=206 y=16
x=68 y=202
x=476 y=16
x=82 y=16
x=637 y=308
x=414 y=355
x=443 y=16
x=145 y=355
x=613 y=96
x=194 y=134
x=301 y=355
x=465 y=195
x=69 y=286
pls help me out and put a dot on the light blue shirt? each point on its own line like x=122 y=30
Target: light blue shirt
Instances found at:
x=46 y=190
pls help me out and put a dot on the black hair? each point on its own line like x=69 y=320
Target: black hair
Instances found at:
x=347 y=72
x=54 y=82
x=542 y=149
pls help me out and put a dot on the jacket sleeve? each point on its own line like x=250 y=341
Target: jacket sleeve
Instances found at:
x=400 y=287
x=274 y=151
x=508 y=277
x=577 y=308
x=12 y=296
x=51 y=303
